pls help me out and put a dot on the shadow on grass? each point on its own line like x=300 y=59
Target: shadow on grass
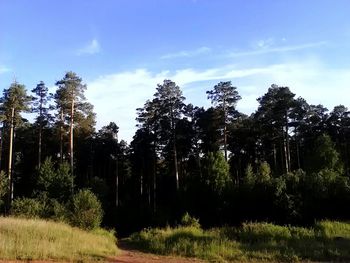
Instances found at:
x=252 y=241
x=295 y=249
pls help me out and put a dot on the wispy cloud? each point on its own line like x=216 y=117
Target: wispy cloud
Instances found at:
x=187 y=53
x=123 y=92
x=91 y=48
x=265 y=47
x=265 y=43
x=4 y=69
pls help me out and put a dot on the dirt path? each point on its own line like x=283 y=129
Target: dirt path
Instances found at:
x=130 y=255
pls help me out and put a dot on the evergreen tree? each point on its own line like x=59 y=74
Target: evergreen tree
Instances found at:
x=14 y=101
x=216 y=172
x=70 y=94
x=41 y=99
x=225 y=97
x=274 y=114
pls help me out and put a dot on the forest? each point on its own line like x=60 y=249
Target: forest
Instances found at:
x=286 y=163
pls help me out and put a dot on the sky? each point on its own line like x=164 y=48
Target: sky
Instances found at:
x=123 y=48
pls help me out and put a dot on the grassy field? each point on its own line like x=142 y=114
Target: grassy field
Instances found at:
x=23 y=239
x=252 y=242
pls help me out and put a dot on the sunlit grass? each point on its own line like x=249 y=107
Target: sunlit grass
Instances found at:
x=29 y=239
x=252 y=242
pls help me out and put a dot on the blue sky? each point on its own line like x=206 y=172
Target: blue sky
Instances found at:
x=123 y=48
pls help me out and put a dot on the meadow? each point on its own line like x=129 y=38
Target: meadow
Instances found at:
x=251 y=242
x=34 y=239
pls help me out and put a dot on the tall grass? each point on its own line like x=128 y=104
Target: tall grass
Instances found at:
x=31 y=239
x=326 y=241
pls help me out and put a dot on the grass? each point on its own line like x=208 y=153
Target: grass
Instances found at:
x=31 y=239
x=252 y=242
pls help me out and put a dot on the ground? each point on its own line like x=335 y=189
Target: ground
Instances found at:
x=130 y=255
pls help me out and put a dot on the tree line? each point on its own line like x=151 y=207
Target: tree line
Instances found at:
x=288 y=162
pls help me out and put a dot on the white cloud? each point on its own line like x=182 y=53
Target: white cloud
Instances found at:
x=91 y=48
x=266 y=47
x=265 y=43
x=116 y=96
x=4 y=69
x=187 y=53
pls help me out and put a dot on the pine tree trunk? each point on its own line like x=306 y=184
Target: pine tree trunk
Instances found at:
x=40 y=129
x=298 y=155
x=346 y=158
x=283 y=164
x=61 y=137
x=10 y=157
x=71 y=150
x=298 y=152
x=1 y=142
x=287 y=145
x=225 y=141
x=39 y=144
x=116 y=181
x=155 y=178
x=173 y=127
x=274 y=157
x=176 y=166
x=285 y=155
x=225 y=130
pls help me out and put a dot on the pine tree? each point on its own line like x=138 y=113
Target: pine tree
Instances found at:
x=14 y=101
x=69 y=96
x=225 y=97
x=41 y=100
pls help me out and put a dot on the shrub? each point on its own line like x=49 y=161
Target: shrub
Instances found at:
x=262 y=232
x=216 y=172
x=249 y=179
x=4 y=184
x=54 y=183
x=27 y=208
x=86 y=210
x=55 y=210
x=190 y=221
x=264 y=173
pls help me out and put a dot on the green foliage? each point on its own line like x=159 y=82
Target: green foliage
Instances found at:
x=324 y=155
x=40 y=101
x=55 y=210
x=261 y=232
x=333 y=229
x=99 y=187
x=4 y=188
x=216 y=171
x=287 y=195
x=86 y=210
x=190 y=221
x=249 y=178
x=54 y=183
x=225 y=96
x=326 y=241
x=16 y=98
x=27 y=208
x=264 y=173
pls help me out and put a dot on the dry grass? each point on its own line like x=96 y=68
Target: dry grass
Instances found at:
x=23 y=239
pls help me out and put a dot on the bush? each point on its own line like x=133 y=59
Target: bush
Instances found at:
x=215 y=172
x=189 y=221
x=86 y=210
x=55 y=183
x=27 y=208
x=55 y=210
x=4 y=187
